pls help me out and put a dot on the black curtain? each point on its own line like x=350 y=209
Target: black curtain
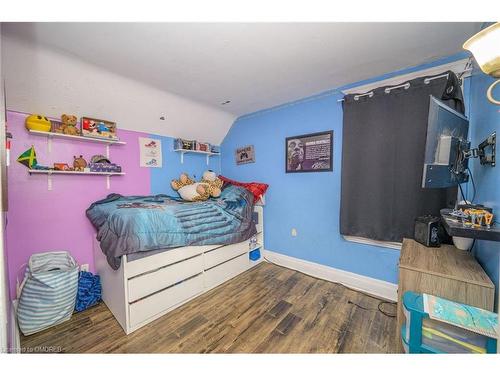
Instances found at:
x=383 y=156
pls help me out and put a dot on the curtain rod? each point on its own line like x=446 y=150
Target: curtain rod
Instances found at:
x=405 y=85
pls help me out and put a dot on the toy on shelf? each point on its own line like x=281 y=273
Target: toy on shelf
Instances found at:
x=96 y=128
x=62 y=167
x=201 y=146
x=100 y=163
x=189 y=190
x=436 y=325
x=28 y=158
x=41 y=167
x=474 y=216
x=67 y=125
x=38 y=123
x=184 y=144
x=79 y=164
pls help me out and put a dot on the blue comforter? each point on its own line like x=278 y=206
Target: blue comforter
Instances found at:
x=127 y=225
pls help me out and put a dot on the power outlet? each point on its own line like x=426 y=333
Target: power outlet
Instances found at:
x=294 y=232
x=84 y=267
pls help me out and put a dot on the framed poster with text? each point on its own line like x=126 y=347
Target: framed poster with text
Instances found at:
x=309 y=152
x=245 y=155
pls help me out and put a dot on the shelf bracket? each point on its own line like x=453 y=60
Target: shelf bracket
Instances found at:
x=49 y=181
x=49 y=144
x=208 y=159
x=108 y=183
x=182 y=157
x=107 y=151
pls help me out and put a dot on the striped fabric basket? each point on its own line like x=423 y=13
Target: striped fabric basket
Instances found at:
x=48 y=292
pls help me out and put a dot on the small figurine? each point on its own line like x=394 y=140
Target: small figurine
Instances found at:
x=101 y=127
x=89 y=126
x=61 y=167
x=79 y=163
x=488 y=218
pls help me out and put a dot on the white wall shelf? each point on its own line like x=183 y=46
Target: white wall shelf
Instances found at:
x=50 y=172
x=207 y=153
x=80 y=138
x=77 y=137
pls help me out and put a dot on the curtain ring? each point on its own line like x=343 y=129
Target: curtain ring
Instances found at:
x=370 y=94
x=388 y=90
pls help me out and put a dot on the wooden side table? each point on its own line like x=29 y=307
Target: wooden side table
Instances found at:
x=444 y=272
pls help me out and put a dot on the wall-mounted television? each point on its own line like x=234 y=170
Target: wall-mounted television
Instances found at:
x=446 y=148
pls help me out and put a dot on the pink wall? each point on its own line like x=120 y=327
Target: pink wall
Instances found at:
x=40 y=220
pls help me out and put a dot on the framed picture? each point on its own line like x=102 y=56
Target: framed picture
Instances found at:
x=309 y=152
x=150 y=154
x=95 y=128
x=245 y=155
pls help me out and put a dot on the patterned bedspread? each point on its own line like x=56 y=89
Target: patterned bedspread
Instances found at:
x=127 y=225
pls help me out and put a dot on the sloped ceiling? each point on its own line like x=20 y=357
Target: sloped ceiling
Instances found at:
x=254 y=65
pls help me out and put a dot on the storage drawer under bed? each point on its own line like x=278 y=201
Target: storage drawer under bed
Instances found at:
x=151 y=263
x=155 y=304
x=217 y=275
x=222 y=254
x=146 y=284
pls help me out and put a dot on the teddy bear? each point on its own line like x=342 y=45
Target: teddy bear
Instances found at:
x=79 y=164
x=189 y=190
x=215 y=183
x=68 y=125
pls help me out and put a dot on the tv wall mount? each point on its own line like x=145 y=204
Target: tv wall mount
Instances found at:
x=486 y=151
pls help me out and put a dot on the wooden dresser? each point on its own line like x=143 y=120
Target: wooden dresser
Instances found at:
x=445 y=272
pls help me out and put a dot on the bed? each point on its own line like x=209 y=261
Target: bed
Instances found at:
x=145 y=278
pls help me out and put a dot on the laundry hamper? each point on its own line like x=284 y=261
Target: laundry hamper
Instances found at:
x=48 y=292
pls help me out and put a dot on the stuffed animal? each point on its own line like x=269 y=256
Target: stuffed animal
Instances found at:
x=215 y=183
x=68 y=125
x=79 y=164
x=189 y=190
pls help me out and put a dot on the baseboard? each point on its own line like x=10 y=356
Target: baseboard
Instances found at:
x=15 y=338
x=365 y=284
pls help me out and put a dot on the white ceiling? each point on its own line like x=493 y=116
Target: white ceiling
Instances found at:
x=254 y=65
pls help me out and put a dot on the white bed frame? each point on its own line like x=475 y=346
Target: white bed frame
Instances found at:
x=143 y=290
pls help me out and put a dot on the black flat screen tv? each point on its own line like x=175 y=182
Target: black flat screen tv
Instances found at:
x=445 y=163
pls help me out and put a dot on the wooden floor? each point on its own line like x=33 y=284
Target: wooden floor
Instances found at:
x=268 y=309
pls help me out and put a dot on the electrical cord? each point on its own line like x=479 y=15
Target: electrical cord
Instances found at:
x=471 y=250
x=473 y=185
x=462 y=192
x=379 y=306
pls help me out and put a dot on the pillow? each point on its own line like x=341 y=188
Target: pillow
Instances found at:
x=258 y=189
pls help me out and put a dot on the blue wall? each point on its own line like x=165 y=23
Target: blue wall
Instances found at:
x=484 y=119
x=309 y=202
x=194 y=165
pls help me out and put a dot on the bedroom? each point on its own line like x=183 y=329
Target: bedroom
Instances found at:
x=245 y=187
